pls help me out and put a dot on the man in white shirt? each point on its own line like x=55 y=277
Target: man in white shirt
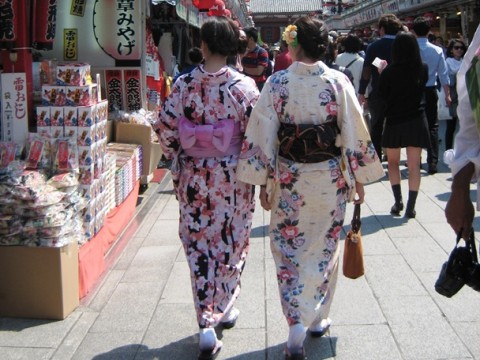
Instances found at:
x=464 y=159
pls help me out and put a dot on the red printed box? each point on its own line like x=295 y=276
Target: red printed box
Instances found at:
x=86 y=135
x=53 y=95
x=87 y=191
x=70 y=116
x=56 y=116
x=42 y=116
x=44 y=130
x=73 y=74
x=102 y=110
x=86 y=175
x=57 y=132
x=81 y=95
x=86 y=154
x=86 y=115
x=71 y=132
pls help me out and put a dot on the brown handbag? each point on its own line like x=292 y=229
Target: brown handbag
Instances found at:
x=353 y=253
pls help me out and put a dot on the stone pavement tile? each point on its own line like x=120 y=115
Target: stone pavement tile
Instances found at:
x=158 y=276
x=469 y=332
x=128 y=253
x=25 y=353
x=251 y=301
x=163 y=232
x=277 y=329
x=75 y=337
x=422 y=253
x=442 y=234
x=411 y=228
x=129 y=309
x=319 y=348
x=462 y=307
x=170 y=211
x=420 y=329
x=147 y=224
x=96 y=300
x=155 y=256
x=354 y=303
x=109 y=346
x=378 y=243
x=256 y=252
x=243 y=344
x=391 y=276
x=34 y=333
x=171 y=334
x=178 y=289
x=271 y=285
x=367 y=342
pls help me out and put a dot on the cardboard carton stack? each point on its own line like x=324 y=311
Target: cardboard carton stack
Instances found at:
x=128 y=168
x=71 y=109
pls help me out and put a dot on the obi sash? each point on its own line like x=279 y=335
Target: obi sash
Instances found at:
x=212 y=140
x=308 y=143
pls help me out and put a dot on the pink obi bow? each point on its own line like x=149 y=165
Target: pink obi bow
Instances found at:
x=209 y=140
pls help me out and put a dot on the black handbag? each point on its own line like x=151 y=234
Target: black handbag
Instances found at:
x=461 y=269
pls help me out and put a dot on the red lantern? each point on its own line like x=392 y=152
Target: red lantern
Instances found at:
x=203 y=5
x=44 y=24
x=409 y=21
x=218 y=9
x=429 y=17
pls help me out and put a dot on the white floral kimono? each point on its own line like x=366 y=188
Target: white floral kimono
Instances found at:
x=308 y=199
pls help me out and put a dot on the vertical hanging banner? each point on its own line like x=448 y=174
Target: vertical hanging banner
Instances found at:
x=8 y=23
x=70 y=44
x=116 y=26
x=77 y=8
x=114 y=89
x=14 y=107
x=44 y=24
x=133 y=91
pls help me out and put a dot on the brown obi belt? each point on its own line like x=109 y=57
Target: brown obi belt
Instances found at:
x=308 y=143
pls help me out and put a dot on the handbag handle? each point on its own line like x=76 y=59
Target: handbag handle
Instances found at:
x=470 y=242
x=356 y=222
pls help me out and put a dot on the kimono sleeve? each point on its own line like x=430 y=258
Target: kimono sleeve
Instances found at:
x=259 y=149
x=166 y=126
x=358 y=153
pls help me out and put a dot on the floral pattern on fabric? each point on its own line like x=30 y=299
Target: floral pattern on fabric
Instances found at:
x=215 y=209
x=308 y=200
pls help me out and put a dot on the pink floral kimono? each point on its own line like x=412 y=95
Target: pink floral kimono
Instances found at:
x=215 y=209
x=308 y=199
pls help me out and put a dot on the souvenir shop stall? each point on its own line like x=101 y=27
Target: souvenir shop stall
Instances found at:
x=79 y=90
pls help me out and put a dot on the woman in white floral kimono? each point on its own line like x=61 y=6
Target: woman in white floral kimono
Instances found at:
x=201 y=128
x=308 y=147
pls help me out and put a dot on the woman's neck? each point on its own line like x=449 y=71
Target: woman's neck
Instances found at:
x=214 y=63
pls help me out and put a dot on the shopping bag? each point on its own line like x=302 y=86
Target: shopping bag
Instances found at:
x=353 y=266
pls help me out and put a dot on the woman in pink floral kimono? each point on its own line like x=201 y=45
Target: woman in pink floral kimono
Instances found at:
x=201 y=127
x=308 y=147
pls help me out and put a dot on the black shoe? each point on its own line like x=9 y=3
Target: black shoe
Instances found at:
x=410 y=213
x=432 y=169
x=396 y=208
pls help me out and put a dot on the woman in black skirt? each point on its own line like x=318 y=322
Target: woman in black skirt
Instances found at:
x=402 y=87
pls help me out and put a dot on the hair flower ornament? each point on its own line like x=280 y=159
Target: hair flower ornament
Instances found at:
x=290 y=35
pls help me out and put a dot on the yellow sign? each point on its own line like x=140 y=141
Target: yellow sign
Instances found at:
x=70 y=44
x=78 y=7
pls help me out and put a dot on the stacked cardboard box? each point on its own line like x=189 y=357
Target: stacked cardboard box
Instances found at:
x=128 y=168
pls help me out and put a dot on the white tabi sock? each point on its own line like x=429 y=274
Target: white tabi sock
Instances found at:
x=296 y=337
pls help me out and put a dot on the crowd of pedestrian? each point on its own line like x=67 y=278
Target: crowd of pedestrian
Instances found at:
x=290 y=119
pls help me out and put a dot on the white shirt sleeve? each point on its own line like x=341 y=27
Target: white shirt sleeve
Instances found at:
x=467 y=141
